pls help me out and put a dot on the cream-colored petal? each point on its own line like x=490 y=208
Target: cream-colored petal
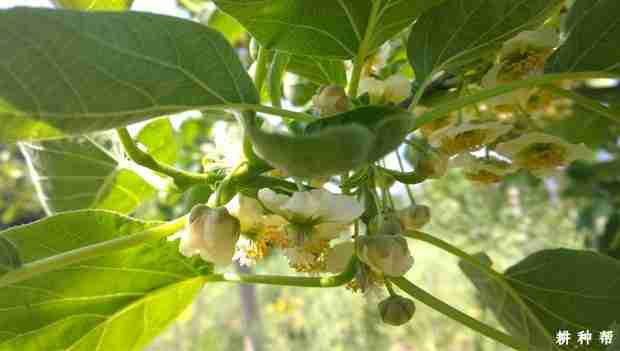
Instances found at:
x=272 y=200
x=375 y=88
x=397 y=88
x=329 y=230
x=338 y=208
x=338 y=256
x=303 y=206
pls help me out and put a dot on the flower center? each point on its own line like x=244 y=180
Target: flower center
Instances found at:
x=464 y=141
x=519 y=64
x=542 y=155
x=483 y=176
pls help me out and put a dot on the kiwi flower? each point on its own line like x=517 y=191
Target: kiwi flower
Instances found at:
x=542 y=153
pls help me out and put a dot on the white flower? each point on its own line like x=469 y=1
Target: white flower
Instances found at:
x=325 y=214
x=397 y=88
x=484 y=170
x=467 y=136
x=545 y=38
x=521 y=57
x=540 y=153
x=374 y=87
x=211 y=233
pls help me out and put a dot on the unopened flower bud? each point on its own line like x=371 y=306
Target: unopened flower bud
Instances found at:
x=397 y=88
x=211 y=233
x=389 y=225
x=396 y=310
x=414 y=217
x=388 y=254
x=338 y=256
x=331 y=100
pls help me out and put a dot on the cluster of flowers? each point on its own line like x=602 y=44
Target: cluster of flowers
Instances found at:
x=489 y=140
x=505 y=134
x=313 y=229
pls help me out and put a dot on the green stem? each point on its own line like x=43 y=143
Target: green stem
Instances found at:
x=262 y=65
x=182 y=179
x=274 y=111
x=283 y=280
x=585 y=102
x=64 y=259
x=275 y=76
x=440 y=306
x=444 y=109
x=402 y=170
x=362 y=52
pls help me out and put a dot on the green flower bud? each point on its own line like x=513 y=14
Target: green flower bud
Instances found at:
x=414 y=217
x=388 y=254
x=396 y=310
x=390 y=225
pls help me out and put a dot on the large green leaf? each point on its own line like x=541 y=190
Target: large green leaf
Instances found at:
x=318 y=70
x=159 y=139
x=459 y=31
x=569 y=289
x=76 y=72
x=510 y=310
x=326 y=28
x=225 y=24
x=115 y=302
x=95 y=5
x=73 y=174
x=593 y=43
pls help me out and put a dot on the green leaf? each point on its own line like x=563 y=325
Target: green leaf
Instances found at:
x=460 y=31
x=324 y=28
x=508 y=307
x=320 y=71
x=160 y=141
x=72 y=174
x=116 y=302
x=9 y=256
x=593 y=42
x=94 y=5
x=390 y=125
x=569 y=289
x=135 y=71
x=225 y=24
